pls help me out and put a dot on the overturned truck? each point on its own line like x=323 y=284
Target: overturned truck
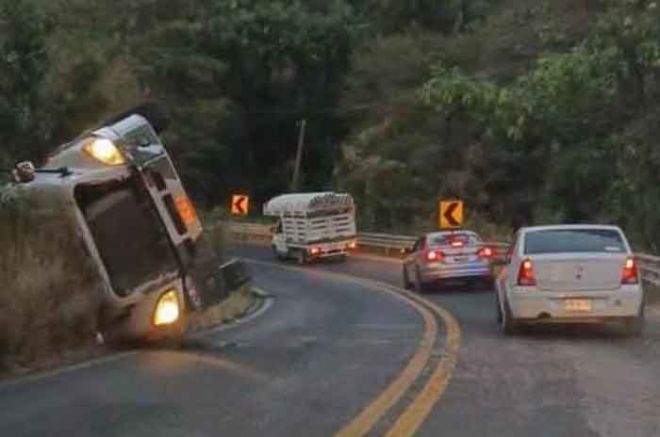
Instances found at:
x=121 y=191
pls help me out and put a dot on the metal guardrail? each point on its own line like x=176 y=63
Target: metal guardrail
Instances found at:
x=395 y=244
x=649 y=266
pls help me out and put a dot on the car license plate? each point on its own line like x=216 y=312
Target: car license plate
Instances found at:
x=460 y=259
x=577 y=305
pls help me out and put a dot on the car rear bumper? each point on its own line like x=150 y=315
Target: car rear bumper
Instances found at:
x=457 y=271
x=552 y=306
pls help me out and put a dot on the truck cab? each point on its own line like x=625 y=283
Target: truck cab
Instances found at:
x=119 y=186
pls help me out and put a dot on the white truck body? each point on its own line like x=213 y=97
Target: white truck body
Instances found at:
x=313 y=225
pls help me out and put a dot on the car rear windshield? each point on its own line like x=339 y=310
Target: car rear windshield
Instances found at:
x=574 y=240
x=454 y=239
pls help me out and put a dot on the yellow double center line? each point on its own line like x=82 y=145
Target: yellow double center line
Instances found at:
x=416 y=412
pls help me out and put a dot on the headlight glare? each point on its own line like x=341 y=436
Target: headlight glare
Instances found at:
x=167 y=309
x=105 y=151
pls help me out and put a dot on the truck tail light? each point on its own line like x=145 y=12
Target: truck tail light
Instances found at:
x=630 y=272
x=526 y=276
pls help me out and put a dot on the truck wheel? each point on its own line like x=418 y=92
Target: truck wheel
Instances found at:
x=301 y=257
x=278 y=255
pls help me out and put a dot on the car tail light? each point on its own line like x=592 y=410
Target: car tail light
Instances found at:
x=526 y=274
x=352 y=245
x=434 y=256
x=485 y=252
x=314 y=251
x=630 y=272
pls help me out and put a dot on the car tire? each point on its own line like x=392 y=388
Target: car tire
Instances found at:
x=635 y=325
x=508 y=324
x=420 y=285
x=406 y=280
x=498 y=309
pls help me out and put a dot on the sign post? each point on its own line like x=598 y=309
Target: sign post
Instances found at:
x=240 y=204
x=450 y=214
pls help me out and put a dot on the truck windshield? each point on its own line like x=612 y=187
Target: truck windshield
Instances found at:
x=128 y=234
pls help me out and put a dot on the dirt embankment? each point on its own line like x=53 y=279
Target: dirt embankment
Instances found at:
x=50 y=290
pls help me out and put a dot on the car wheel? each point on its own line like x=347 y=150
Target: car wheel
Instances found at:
x=508 y=324
x=498 y=309
x=488 y=284
x=419 y=284
x=406 y=280
x=635 y=325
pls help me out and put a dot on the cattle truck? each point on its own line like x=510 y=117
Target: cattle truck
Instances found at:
x=313 y=226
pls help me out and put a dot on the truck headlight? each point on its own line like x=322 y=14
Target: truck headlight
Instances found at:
x=167 y=309
x=105 y=151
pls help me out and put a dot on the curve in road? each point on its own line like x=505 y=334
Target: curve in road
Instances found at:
x=327 y=347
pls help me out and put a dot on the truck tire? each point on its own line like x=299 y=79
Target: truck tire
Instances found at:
x=278 y=255
x=301 y=257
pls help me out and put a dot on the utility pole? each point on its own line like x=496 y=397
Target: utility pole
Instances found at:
x=301 y=145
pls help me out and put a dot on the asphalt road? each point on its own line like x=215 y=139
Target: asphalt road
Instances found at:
x=321 y=351
x=554 y=381
x=326 y=350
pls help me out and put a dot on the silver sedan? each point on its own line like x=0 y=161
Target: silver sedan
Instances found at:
x=447 y=256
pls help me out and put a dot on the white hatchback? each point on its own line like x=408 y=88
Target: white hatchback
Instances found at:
x=570 y=273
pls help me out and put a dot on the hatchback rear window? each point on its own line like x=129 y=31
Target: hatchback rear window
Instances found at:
x=574 y=240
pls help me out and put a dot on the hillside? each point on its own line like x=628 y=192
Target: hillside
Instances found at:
x=530 y=110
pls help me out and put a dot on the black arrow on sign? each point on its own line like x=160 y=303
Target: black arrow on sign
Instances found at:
x=449 y=214
x=239 y=205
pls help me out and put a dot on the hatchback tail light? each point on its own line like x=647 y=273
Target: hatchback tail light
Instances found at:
x=526 y=276
x=485 y=252
x=630 y=272
x=434 y=256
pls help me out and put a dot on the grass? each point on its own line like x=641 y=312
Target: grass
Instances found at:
x=51 y=292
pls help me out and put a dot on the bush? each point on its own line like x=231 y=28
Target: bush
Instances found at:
x=51 y=290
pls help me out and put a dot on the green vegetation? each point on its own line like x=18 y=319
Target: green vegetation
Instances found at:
x=531 y=110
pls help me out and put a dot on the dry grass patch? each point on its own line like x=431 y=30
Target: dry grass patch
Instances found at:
x=51 y=292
